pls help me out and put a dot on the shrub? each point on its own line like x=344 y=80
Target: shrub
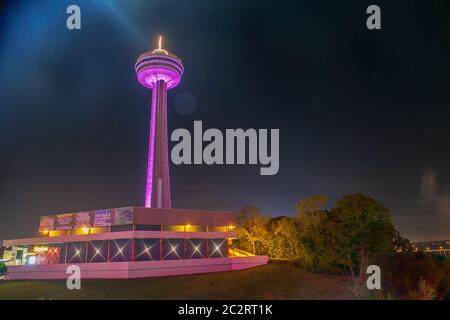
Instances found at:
x=423 y=292
x=2 y=269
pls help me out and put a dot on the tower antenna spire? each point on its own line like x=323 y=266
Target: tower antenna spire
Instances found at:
x=160 y=43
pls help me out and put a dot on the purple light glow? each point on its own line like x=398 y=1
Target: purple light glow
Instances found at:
x=153 y=78
x=148 y=75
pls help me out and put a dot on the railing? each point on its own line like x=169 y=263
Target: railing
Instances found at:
x=239 y=253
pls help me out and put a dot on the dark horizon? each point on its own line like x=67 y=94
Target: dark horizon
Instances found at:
x=359 y=111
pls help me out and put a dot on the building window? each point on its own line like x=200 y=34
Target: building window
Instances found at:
x=97 y=251
x=174 y=228
x=145 y=227
x=217 y=248
x=76 y=252
x=120 y=250
x=62 y=256
x=18 y=255
x=78 y=231
x=95 y=230
x=127 y=227
x=147 y=249
x=58 y=233
x=173 y=249
x=45 y=255
x=217 y=229
x=194 y=228
x=195 y=248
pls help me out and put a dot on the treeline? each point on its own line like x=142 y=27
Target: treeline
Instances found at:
x=356 y=232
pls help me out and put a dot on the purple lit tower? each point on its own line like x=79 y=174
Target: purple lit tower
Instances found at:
x=160 y=247
x=158 y=70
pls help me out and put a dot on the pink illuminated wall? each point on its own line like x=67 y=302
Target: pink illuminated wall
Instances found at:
x=141 y=269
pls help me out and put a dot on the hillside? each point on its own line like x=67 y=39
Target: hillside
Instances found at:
x=273 y=281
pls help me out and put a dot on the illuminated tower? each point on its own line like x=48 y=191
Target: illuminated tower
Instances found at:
x=158 y=70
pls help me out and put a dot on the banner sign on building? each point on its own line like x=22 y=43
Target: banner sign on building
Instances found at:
x=102 y=218
x=122 y=216
x=46 y=223
x=99 y=218
x=64 y=221
x=82 y=219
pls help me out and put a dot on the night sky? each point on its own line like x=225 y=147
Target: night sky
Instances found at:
x=358 y=110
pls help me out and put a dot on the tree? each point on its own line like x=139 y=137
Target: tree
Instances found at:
x=310 y=204
x=364 y=230
x=403 y=272
x=314 y=228
x=252 y=226
x=283 y=241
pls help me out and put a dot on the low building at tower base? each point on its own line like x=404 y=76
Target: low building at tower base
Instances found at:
x=129 y=242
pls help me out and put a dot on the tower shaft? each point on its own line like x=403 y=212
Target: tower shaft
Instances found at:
x=158 y=185
x=158 y=70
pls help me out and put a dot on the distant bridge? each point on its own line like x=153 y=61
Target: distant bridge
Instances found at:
x=437 y=247
x=442 y=252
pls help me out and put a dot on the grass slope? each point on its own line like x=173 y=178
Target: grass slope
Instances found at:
x=273 y=281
